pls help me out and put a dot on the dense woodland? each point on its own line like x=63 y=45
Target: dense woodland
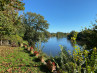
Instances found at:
x=87 y=36
x=30 y=27
x=17 y=28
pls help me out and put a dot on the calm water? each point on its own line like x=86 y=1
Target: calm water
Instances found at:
x=52 y=46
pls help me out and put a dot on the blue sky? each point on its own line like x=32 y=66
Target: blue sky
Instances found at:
x=64 y=15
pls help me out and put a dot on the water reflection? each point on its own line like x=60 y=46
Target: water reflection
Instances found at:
x=52 y=46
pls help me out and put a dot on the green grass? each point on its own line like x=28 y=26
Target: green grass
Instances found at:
x=19 y=60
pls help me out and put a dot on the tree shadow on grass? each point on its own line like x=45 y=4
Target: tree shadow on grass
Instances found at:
x=26 y=51
x=31 y=55
x=22 y=65
x=29 y=65
x=44 y=68
x=36 y=60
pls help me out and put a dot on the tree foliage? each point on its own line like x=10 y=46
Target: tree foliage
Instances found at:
x=14 y=4
x=35 y=25
x=89 y=37
x=10 y=22
x=72 y=34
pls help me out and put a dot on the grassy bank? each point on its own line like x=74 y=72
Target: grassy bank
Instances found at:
x=19 y=60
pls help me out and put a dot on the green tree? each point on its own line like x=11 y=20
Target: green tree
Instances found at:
x=14 y=4
x=36 y=21
x=88 y=37
x=9 y=20
x=60 y=34
x=35 y=25
x=72 y=34
x=5 y=26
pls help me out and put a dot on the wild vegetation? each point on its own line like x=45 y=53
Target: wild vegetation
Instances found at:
x=80 y=61
x=87 y=36
x=10 y=22
x=16 y=28
x=28 y=29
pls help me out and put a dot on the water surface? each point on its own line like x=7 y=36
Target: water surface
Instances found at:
x=52 y=46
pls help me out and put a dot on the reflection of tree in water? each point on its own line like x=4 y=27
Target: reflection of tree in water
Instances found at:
x=45 y=40
x=59 y=38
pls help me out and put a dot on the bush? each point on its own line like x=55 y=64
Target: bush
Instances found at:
x=80 y=61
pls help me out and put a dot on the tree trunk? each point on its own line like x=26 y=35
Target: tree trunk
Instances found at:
x=1 y=41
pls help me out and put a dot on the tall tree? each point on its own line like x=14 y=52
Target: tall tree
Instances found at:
x=35 y=24
x=36 y=21
x=9 y=17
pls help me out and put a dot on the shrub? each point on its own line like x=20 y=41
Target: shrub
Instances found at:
x=80 y=61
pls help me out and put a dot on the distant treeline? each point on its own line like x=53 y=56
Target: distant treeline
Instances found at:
x=58 y=34
x=87 y=37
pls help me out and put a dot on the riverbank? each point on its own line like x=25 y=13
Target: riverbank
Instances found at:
x=16 y=59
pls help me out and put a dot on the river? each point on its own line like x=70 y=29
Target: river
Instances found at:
x=52 y=48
